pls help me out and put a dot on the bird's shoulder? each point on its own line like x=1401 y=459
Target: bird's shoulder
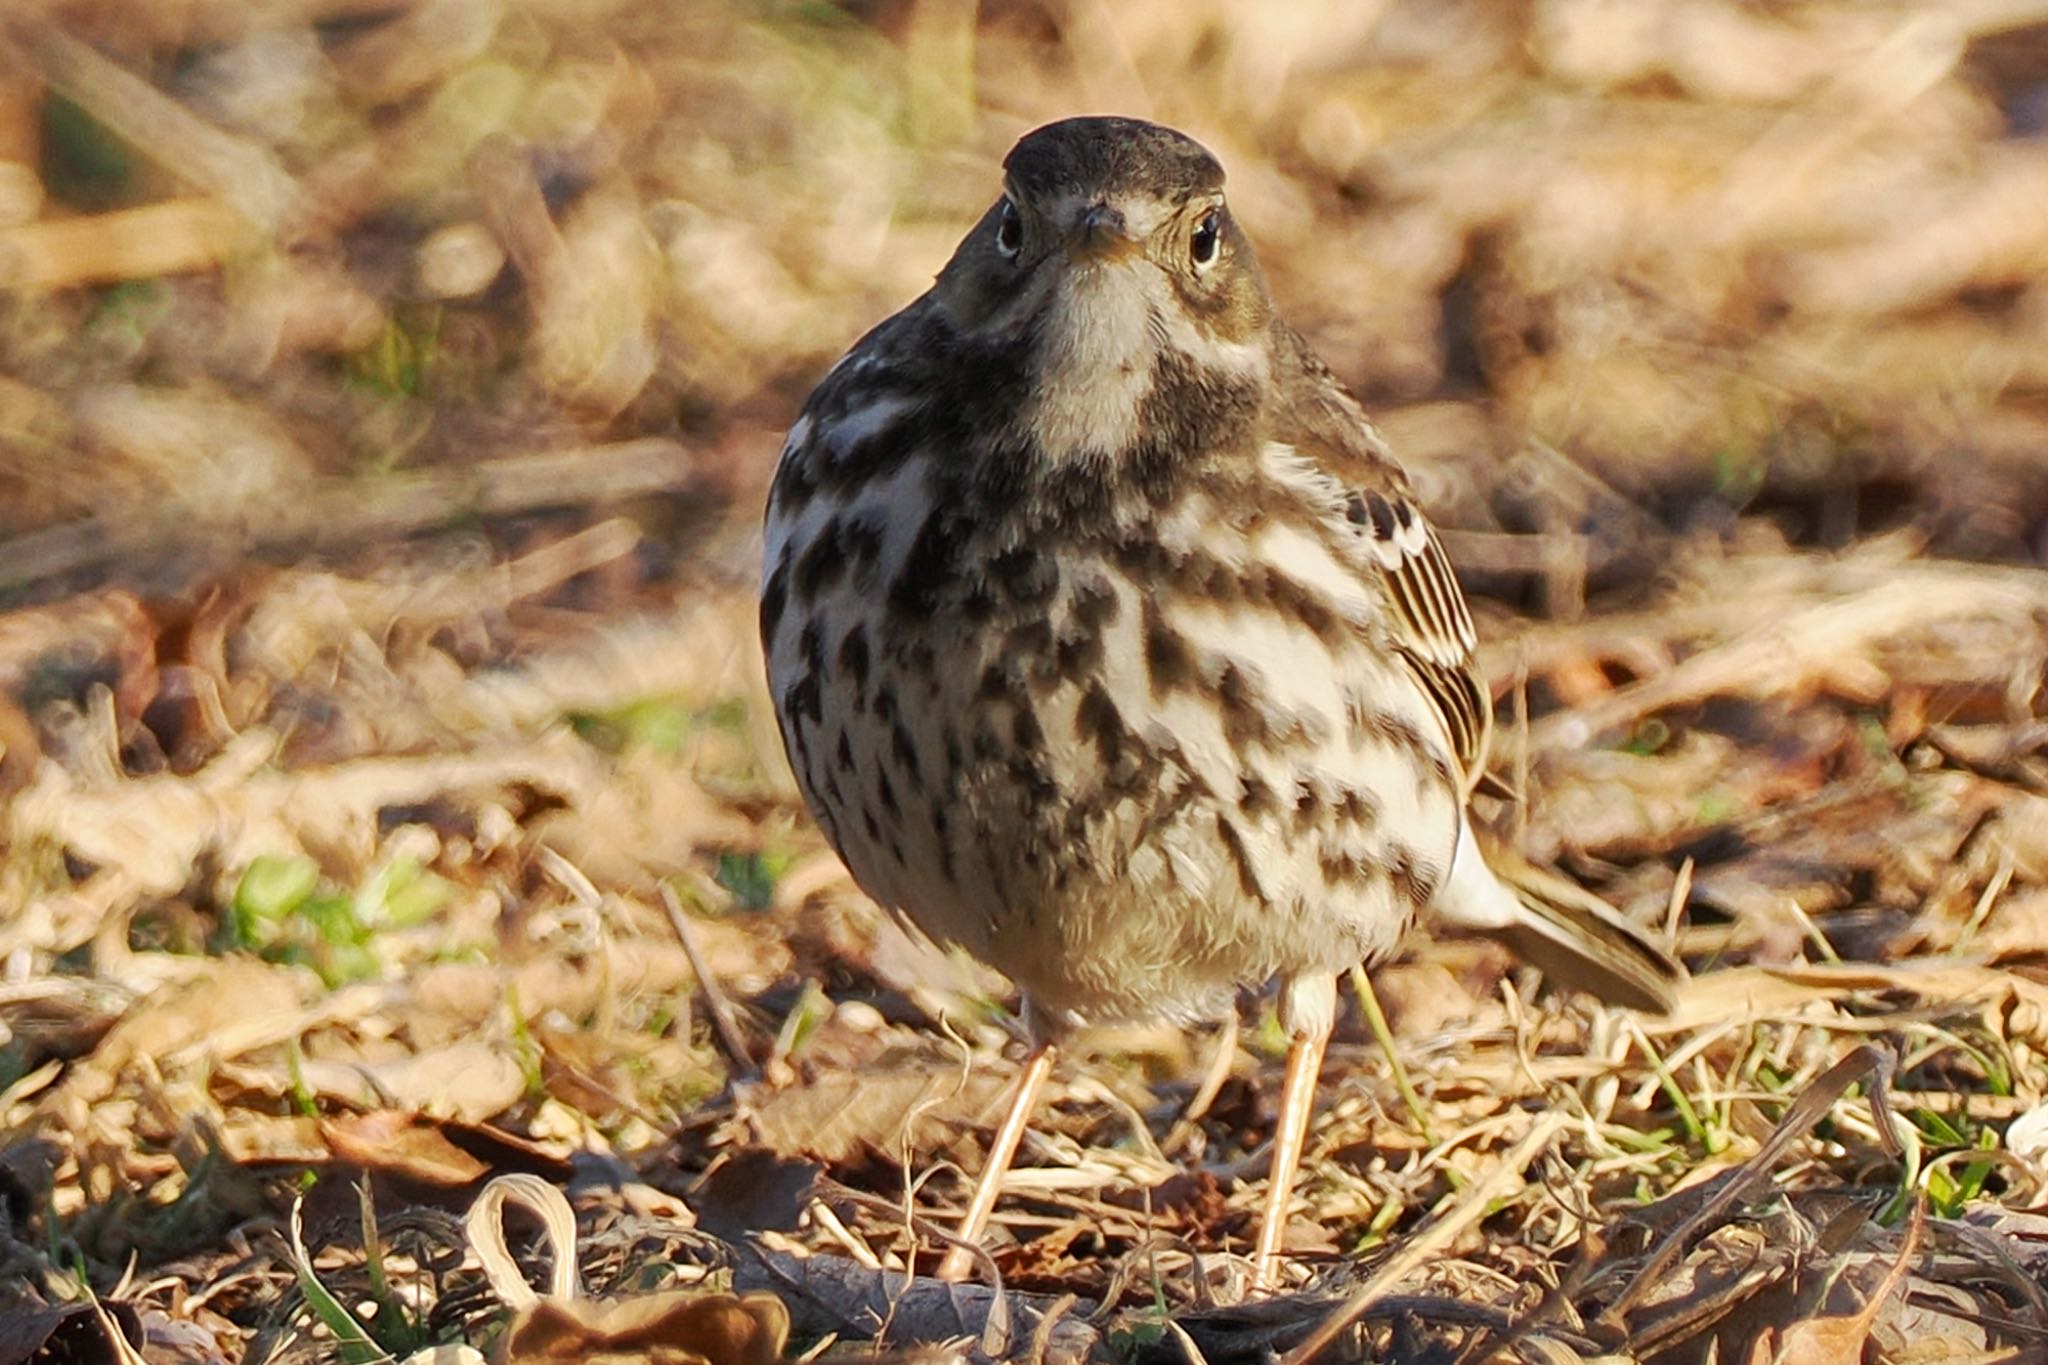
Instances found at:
x=863 y=415
x=1316 y=417
x=888 y=356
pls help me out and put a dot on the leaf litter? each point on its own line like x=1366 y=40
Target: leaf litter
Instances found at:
x=391 y=807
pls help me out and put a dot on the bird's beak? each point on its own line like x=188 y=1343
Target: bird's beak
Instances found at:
x=1099 y=234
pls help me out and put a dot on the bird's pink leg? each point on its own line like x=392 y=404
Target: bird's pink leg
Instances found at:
x=1308 y=1008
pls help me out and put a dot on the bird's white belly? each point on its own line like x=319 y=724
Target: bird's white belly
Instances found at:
x=1132 y=801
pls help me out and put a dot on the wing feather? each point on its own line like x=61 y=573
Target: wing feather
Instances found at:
x=1431 y=623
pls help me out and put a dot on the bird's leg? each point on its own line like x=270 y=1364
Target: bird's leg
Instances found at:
x=1023 y=1102
x=1308 y=1009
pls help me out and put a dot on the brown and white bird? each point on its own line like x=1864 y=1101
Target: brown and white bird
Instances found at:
x=1108 y=643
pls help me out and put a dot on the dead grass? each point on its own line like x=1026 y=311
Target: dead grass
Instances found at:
x=387 y=390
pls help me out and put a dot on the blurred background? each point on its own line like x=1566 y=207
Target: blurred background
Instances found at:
x=389 y=389
x=278 y=269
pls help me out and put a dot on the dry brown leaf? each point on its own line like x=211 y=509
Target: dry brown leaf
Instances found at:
x=469 y=1081
x=203 y=457
x=595 y=323
x=675 y=1328
x=1423 y=999
x=171 y=1341
x=834 y=1117
x=84 y=636
x=1839 y=1340
x=286 y=306
x=199 y=1017
x=398 y=1143
x=754 y=1191
x=1794 y=651
x=435 y=1151
x=252 y=1138
x=156 y=829
x=2017 y=928
x=1817 y=992
x=458 y=261
x=69 y=1334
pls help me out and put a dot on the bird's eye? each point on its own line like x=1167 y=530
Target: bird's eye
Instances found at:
x=1206 y=243
x=1010 y=230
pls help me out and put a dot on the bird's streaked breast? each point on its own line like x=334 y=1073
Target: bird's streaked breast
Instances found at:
x=1175 y=741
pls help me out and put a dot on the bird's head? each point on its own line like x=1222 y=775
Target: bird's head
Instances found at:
x=1113 y=260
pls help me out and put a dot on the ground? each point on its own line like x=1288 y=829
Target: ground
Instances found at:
x=388 y=391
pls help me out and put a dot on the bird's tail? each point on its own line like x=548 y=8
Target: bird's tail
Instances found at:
x=1574 y=937
x=1579 y=940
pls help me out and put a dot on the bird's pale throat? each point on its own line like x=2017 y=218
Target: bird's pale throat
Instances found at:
x=1094 y=356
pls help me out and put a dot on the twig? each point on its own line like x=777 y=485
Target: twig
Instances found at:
x=1192 y=1352
x=1798 y=646
x=170 y=238
x=828 y=1223
x=1125 y=1272
x=723 y=1020
x=995 y=1332
x=1681 y=892
x=832 y=1294
x=1811 y=1106
x=235 y=170
x=335 y=513
x=1041 y=1331
x=1432 y=1240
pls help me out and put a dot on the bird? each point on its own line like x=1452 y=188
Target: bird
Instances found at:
x=1107 y=640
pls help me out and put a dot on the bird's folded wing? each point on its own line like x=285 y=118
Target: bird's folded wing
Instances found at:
x=1431 y=624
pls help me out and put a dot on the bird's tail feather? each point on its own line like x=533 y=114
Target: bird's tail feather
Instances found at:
x=1579 y=940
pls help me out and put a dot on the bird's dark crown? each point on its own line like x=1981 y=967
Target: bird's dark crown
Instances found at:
x=1093 y=156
